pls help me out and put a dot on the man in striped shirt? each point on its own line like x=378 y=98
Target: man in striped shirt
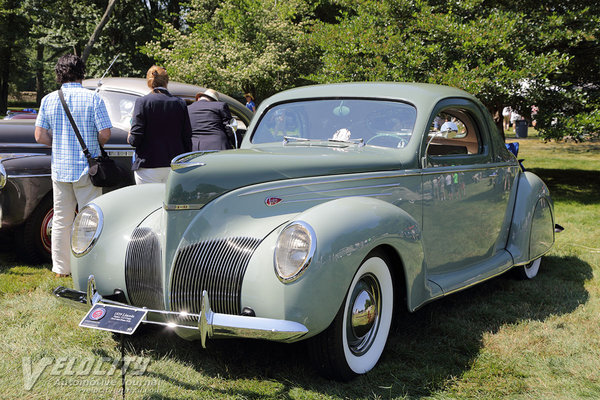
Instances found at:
x=71 y=185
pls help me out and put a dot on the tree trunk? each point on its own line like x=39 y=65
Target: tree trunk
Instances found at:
x=98 y=30
x=174 y=10
x=498 y=119
x=39 y=74
x=5 y=56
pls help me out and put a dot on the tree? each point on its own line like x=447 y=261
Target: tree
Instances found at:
x=238 y=46
x=13 y=28
x=98 y=30
x=469 y=45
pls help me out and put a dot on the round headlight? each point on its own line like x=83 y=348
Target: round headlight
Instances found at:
x=86 y=229
x=294 y=251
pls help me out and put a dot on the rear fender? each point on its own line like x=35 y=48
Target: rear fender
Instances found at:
x=532 y=228
x=27 y=183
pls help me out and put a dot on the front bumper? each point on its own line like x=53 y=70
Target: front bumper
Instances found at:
x=209 y=323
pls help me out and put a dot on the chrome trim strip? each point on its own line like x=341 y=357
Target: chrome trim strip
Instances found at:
x=29 y=176
x=25 y=145
x=459 y=168
x=179 y=207
x=353 y=188
x=209 y=323
x=333 y=197
x=395 y=174
x=377 y=175
x=115 y=146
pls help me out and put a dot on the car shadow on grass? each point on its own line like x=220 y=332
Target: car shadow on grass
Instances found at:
x=576 y=185
x=426 y=349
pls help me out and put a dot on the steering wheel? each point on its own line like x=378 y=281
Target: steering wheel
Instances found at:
x=388 y=140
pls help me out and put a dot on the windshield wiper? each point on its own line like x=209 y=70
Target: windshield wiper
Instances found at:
x=288 y=139
x=358 y=141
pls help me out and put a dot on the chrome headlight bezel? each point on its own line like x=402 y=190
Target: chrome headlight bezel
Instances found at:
x=97 y=212
x=282 y=252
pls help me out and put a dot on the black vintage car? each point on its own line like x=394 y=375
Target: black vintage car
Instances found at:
x=25 y=184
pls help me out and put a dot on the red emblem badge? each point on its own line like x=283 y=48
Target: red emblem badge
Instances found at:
x=271 y=201
x=98 y=314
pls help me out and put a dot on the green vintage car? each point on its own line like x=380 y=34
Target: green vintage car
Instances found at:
x=344 y=204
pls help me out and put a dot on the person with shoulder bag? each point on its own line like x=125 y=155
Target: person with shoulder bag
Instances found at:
x=71 y=184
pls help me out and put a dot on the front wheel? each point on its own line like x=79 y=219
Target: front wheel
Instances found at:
x=355 y=340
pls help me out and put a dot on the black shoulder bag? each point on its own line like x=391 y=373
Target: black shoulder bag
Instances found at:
x=103 y=170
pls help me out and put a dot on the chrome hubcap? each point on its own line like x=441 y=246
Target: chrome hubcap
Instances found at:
x=363 y=314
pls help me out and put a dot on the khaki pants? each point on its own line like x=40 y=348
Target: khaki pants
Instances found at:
x=151 y=175
x=67 y=195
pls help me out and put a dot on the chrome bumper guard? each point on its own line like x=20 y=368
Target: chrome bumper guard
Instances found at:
x=210 y=324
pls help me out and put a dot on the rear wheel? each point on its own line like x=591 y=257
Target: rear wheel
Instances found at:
x=355 y=340
x=528 y=271
x=34 y=241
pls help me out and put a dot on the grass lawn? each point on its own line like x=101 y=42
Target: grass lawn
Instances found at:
x=502 y=339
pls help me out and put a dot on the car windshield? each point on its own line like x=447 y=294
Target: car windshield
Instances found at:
x=370 y=122
x=120 y=107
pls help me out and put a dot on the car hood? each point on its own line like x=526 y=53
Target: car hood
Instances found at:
x=210 y=175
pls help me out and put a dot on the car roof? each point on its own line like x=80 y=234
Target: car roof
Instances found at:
x=139 y=87
x=419 y=94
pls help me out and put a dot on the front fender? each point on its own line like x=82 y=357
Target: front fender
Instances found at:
x=344 y=238
x=532 y=228
x=27 y=183
x=106 y=259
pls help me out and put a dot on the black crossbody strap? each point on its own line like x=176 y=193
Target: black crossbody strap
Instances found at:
x=74 y=125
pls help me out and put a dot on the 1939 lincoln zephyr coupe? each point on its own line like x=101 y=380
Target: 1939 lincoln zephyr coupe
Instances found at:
x=344 y=204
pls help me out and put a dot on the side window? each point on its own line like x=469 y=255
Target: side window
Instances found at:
x=454 y=132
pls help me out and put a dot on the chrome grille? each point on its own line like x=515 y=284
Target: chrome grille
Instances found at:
x=217 y=266
x=143 y=275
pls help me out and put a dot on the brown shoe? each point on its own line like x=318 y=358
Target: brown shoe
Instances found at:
x=63 y=275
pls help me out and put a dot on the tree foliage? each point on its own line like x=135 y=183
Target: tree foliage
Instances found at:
x=518 y=53
x=238 y=46
x=13 y=26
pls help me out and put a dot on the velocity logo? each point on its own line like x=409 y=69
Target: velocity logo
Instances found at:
x=80 y=367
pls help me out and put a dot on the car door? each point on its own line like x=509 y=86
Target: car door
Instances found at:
x=467 y=196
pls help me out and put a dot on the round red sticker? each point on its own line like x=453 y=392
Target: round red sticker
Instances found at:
x=98 y=314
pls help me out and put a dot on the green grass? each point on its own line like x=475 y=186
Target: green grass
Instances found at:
x=503 y=339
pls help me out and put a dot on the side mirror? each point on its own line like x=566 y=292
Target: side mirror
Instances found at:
x=449 y=133
x=233 y=124
x=425 y=158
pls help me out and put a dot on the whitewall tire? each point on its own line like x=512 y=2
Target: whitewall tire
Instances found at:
x=355 y=340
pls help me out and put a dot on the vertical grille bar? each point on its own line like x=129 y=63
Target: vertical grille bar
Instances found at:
x=143 y=274
x=217 y=266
